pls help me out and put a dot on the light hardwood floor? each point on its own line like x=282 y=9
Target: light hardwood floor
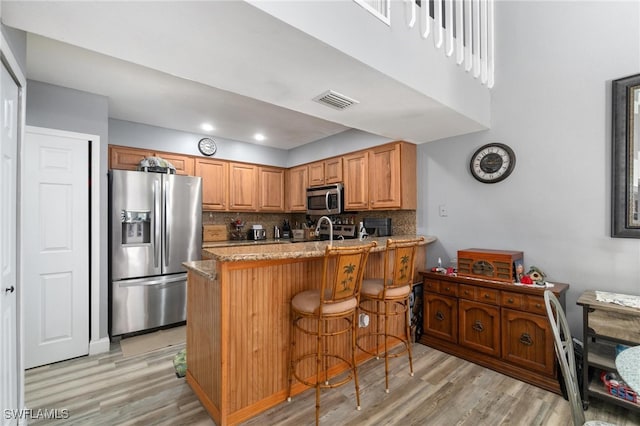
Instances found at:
x=108 y=389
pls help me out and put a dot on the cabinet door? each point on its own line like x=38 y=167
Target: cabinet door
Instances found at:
x=125 y=158
x=440 y=317
x=215 y=178
x=356 y=181
x=243 y=183
x=183 y=163
x=316 y=174
x=479 y=327
x=297 y=189
x=271 y=187
x=384 y=177
x=333 y=170
x=528 y=341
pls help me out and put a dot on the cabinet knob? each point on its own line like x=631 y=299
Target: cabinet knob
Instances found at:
x=487 y=296
x=510 y=300
x=9 y=290
x=439 y=316
x=447 y=288
x=466 y=292
x=525 y=339
x=477 y=326
x=538 y=305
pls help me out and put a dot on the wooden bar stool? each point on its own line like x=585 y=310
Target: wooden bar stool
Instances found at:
x=388 y=297
x=327 y=312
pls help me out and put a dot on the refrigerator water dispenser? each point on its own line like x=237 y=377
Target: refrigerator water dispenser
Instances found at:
x=136 y=227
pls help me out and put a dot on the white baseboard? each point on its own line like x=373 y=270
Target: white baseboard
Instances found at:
x=99 y=346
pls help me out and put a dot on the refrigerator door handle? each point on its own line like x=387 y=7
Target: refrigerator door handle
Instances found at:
x=156 y=223
x=167 y=220
x=144 y=281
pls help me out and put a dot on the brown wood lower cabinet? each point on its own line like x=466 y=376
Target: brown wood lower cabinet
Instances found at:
x=497 y=325
x=479 y=327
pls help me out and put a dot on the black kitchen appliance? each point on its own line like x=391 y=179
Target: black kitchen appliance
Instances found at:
x=255 y=234
x=380 y=227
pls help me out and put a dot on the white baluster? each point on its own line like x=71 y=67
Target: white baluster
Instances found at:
x=448 y=14
x=490 y=43
x=468 y=33
x=476 y=37
x=426 y=19
x=459 y=32
x=438 y=36
x=411 y=12
x=483 y=42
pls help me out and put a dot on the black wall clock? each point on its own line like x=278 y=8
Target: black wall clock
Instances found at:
x=207 y=146
x=492 y=162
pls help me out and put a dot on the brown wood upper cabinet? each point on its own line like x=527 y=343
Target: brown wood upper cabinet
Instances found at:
x=243 y=193
x=356 y=181
x=271 y=186
x=381 y=178
x=325 y=172
x=127 y=158
x=297 y=183
x=215 y=183
x=392 y=176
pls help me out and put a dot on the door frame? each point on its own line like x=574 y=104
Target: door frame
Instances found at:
x=96 y=344
x=10 y=62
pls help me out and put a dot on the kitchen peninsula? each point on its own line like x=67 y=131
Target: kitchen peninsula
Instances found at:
x=238 y=322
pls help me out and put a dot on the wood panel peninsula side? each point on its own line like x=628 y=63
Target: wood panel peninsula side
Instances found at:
x=238 y=321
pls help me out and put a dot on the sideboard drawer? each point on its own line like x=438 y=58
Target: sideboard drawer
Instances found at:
x=488 y=295
x=480 y=294
x=431 y=285
x=512 y=300
x=467 y=291
x=448 y=288
x=535 y=304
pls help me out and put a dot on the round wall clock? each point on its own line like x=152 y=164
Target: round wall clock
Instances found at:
x=492 y=162
x=207 y=146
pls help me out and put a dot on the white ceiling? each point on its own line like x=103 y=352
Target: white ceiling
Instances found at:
x=179 y=64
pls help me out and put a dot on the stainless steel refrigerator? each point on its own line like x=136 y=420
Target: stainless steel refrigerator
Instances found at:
x=156 y=224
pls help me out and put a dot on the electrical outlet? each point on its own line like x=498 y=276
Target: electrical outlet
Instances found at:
x=442 y=208
x=363 y=320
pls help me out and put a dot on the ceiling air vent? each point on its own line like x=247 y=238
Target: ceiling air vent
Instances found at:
x=335 y=100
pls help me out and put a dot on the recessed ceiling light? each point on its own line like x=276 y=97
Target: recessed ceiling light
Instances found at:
x=259 y=137
x=206 y=127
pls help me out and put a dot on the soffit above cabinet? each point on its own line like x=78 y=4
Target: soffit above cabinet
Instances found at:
x=159 y=63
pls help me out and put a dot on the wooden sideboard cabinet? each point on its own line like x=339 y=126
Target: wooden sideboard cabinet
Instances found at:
x=498 y=325
x=605 y=325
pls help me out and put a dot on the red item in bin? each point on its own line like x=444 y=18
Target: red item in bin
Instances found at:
x=618 y=388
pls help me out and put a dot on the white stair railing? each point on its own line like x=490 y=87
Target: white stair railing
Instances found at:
x=463 y=27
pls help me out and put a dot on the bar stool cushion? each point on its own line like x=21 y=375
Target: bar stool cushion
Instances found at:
x=309 y=302
x=374 y=287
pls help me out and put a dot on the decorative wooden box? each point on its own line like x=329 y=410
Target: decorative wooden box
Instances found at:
x=497 y=265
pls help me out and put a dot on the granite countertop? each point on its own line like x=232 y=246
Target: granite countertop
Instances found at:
x=237 y=243
x=269 y=251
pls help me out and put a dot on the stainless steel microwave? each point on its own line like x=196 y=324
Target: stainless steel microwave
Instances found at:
x=325 y=200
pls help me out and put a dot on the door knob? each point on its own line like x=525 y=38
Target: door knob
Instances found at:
x=9 y=290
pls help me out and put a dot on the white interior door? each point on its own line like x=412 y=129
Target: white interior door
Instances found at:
x=8 y=246
x=55 y=245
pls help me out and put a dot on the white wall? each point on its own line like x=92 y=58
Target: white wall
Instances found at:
x=552 y=104
x=139 y=135
x=76 y=111
x=397 y=50
x=341 y=143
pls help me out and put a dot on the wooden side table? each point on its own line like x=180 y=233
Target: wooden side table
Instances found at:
x=605 y=325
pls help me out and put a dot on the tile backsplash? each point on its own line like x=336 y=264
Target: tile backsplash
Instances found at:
x=403 y=222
